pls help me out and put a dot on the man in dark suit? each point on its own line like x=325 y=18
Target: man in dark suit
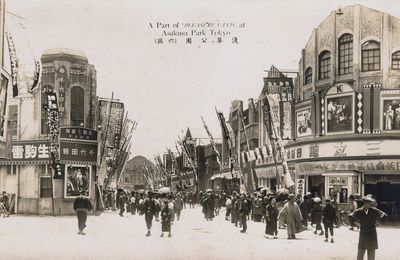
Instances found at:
x=368 y=217
x=82 y=206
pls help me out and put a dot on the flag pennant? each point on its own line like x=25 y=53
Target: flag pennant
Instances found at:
x=25 y=66
x=214 y=146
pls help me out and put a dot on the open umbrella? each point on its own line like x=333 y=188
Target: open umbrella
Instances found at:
x=164 y=190
x=209 y=190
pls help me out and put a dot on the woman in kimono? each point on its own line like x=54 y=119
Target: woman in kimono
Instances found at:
x=291 y=216
x=166 y=217
x=368 y=217
x=271 y=219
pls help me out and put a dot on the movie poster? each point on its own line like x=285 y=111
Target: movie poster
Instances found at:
x=303 y=123
x=391 y=115
x=77 y=179
x=339 y=114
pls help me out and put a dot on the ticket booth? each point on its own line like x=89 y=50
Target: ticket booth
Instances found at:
x=339 y=186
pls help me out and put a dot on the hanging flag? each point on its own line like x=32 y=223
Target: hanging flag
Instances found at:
x=264 y=152
x=149 y=176
x=214 y=146
x=258 y=153
x=25 y=66
x=231 y=135
x=13 y=63
x=224 y=128
x=54 y=133
x=273 y=102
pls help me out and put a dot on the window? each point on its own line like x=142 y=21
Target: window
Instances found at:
x=46 y=189
x=324 y=65
x=371 y=56
x=12 y=169
x=396 y=60
x=308 y=76
x=44 y=124
x=346 y=54
x=77 y=106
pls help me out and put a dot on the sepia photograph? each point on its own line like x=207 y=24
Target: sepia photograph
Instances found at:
x=204 y=130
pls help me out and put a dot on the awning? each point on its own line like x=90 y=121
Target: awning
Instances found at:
x=216 y=176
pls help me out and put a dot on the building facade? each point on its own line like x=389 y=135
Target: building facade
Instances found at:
x=347 y=114
x=136 y=176
x=69 y=82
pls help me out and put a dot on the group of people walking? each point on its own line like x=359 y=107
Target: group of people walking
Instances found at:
x=276 y=210
x=165 y=207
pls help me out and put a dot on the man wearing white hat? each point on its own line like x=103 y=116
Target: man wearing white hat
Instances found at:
x=368 y=217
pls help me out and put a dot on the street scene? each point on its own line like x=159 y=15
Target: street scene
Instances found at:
x=199 y=130
x=112 y=237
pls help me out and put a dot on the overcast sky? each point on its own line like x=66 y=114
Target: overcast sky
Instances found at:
x=167 y=87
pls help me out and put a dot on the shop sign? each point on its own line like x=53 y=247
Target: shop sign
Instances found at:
x=79 y=133
x=74 y=151
x=314 y=150
x=30 y=151
x=386 y=166
x=300 y=183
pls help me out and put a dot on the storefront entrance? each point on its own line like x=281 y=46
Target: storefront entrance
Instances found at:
x=316 y=185
x=386 y=190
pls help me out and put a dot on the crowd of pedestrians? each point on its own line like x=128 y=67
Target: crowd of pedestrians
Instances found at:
x=165 y=207
x=278 y=210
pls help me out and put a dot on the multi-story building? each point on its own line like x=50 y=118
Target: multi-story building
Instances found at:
x=208 y=169
x=136 y=176
x=347 y=114
x=72 y=138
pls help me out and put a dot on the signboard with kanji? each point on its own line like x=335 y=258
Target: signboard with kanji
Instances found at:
x=80 y=133
x=30 y=151
x=78 y=152
x=300 y=187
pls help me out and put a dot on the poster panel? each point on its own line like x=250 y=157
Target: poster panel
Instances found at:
x=77 y=179
x=391 y=115
x=303 y=123
x=340 y=114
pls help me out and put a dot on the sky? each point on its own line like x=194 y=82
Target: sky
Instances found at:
x=168 y=87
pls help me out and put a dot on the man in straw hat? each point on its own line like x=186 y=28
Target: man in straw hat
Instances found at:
x=368 y=217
